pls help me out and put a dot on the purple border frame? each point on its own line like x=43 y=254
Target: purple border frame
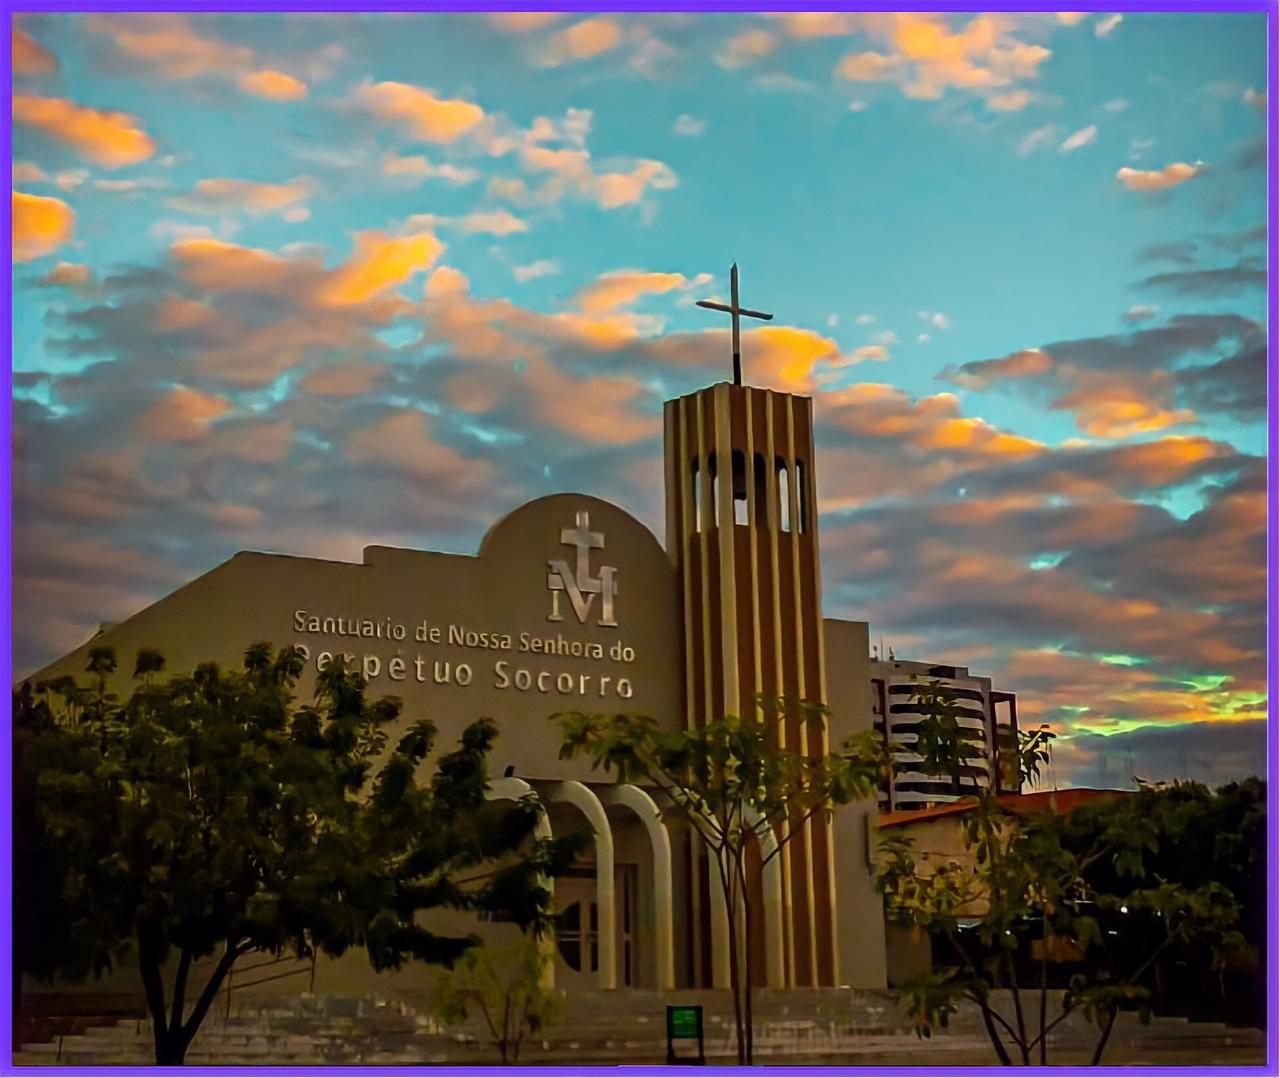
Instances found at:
x=1267 y=7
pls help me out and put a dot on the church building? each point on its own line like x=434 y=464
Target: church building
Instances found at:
x=573 y=604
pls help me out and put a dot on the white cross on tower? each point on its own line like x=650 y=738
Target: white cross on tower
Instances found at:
x=734 y=311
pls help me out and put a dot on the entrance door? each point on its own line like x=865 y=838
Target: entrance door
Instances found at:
x=578 y=928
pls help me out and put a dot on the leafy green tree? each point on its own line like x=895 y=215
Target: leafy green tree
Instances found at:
x=944 y=746
x=505 y=986
x=734 y=785
x=1191 y=837
x=1023 y=886
x=207 y=817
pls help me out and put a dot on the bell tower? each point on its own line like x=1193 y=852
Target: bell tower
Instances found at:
x=742 y=533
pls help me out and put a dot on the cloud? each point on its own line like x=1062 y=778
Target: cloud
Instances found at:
x=1070 y=18
x=1116 y=104
x=746 y=47
x=1010 y=102
x=582 y=41
x=418 y=112
x=1136 y=382
x=177 y=47
x=1036 y=139
x=622 y=288
x=419 y=168
x=182 y=414
x=1223 y=281
x=74 y=275
x=1142 y=312
x=1106 y=25
x=1256 y=98
x=520 y=22
x=273 y=85
x=1079 y=138
x=1210 y=752
x=29 y=56
x=866 y=67
x=112 y=139
x=688 y=126
x=223 y=195
x=349 y=378
x=380 y=262
x=1159 y=179
x=40 y=225
x=927 y=54
x=935 y=318
x=543 y=267
x=28 y=172
x=493 y=223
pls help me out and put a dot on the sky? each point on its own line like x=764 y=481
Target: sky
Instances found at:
x=311 y=282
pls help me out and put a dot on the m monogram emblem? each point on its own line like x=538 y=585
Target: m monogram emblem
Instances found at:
x=578 y=583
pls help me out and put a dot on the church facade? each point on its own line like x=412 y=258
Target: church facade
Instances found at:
x=573 y=604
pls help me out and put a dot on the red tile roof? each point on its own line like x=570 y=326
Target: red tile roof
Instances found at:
x=1040 y=801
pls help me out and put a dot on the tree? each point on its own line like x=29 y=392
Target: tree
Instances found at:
x=206 y=816
x=738 y=788
x=1193 y=836
x=506 y=987
x=1021 y=897
x=943 y=745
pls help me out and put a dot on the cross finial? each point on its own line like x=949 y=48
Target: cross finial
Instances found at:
x=734 y=311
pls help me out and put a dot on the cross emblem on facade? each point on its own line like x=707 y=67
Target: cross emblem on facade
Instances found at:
x=734 y=311
x=578 y=582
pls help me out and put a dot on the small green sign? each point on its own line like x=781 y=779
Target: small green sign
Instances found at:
x=684 y=1022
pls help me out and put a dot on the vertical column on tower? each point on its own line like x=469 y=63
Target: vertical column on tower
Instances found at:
x=742 y=532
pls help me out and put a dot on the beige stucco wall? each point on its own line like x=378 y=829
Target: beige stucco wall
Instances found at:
x=860 y=919
x=502 y=592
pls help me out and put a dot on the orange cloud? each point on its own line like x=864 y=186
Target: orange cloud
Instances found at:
x=346 y=379
x=419 y=112
x=30 y=57
x=746 y=47
x=112 y=139
x=925 y=56
x=379 y=262
x=614 y=189
x=1136 y=179
x=785 y=357
x=222 y=195
x=182 y=415
x=622 y=288
x=404 y=441
x=40 y=225
x=519 y=22
x=218 y=266
x=583 y=40
x=68 y=275
x=273 y=85
x=168 y=45
x=1109 y=409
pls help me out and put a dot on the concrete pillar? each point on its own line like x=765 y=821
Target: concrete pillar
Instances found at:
x=510 y=788
x=580 y=796
x=771 y=888
x=643 y=806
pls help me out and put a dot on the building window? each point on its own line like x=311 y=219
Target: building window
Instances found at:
x=697 y=496
x=784 y=496
x=802 y=498
x=740 y=515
